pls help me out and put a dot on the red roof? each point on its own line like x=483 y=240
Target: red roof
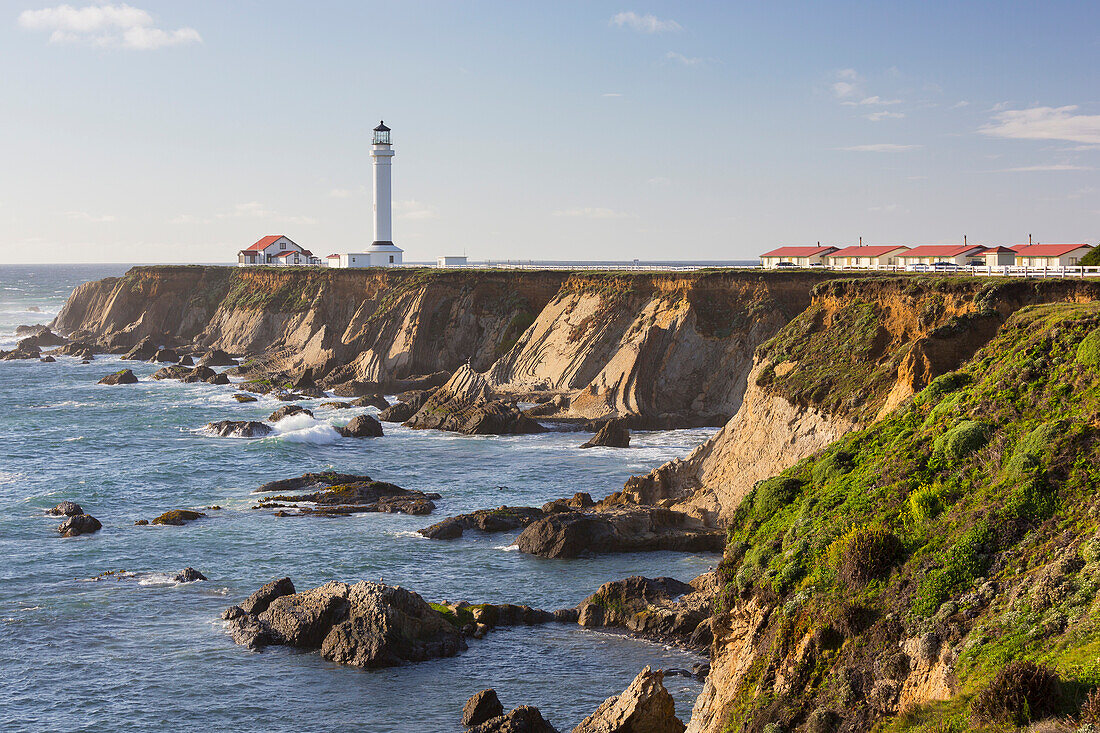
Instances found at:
x=331 y=256
x=798 y=251
x=263 y=243
x=871 y=250
x=943 y=250
x=289 y=252
x=995 y=250
x=1047 y=250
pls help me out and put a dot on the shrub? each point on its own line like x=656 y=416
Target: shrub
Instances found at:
x=1090 y=709
x=963 y=439
x=959 y=565
x=787 y=577
x=774 y=494
x=833 y=464
x=1020 y=693
x=924 y=503
x=869 y=554
x=1088 y=351
x=942 y=385
x=1032 y=447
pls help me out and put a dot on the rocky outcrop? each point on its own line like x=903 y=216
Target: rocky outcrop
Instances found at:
x=664 y=609
x=178 y=517
x=504 y=519
x=216 y=358
x=79 y=524
x=240 y=397
x=337 y=494
x=126 y=376
x=362 y=426
x=143 y=350
x=65 y=509
x=288 y=411
x=643 y=706
x=363 y=625
x=238 y=429
x=43 y=338
x=524 y=719
x=465 y=404
x=481 y=706
x=373 y=400
x=613 y=434
x=629 y=529
x=188 y=575
x=165 y=356
x=405 y=408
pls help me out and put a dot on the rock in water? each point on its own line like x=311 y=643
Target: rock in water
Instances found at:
x=239 y=429
x=199 y=374
x=47 y=360
x=217 y=379
x=187 y=361
x=143 y=351
x=504 y=519
x=172 y=372
x=362 y=426
x=524 y=719
x=178 y=517
x=644 y=706
x=482 y=706
x=66 y=509
x=217 y=357
x=659 y=608
x=287 y=411
x=612 y=435
x=335 y=405
x=465 y=405
x=347 y=494
x=373 y=400
x=258 y=602
x=167 y=356
x=241 y=397
x=126 y=376
x=364 y=625
x=78 y=525
x=402 y=411
x=188 y=575
x=633 y=529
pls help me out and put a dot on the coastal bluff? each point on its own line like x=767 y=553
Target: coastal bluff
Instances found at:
x=657 y=349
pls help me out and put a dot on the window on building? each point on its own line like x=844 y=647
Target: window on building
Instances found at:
x=282 y=245
x=391 y=258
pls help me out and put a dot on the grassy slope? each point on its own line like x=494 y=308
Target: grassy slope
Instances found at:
x=988 y=474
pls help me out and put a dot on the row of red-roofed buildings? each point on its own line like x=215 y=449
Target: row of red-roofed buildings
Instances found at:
x=902 y=257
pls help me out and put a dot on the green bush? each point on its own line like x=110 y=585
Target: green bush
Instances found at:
x=870 y=553
x=925 y=503
x=774 y=494
x=958 y=566
x=942 y=385
x=1020 y=693
x=1088 y=351
x=963 y=439
x=832 y=464
x=787 y=577
x=1031 y=449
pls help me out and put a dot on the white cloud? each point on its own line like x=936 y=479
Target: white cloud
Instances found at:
x=647 y=23
x=869 y=101
x=592 y=213
x=682 y=59
x=880 y=148
x=847 y=74
x=1052 y=167
x=884 y=115
x=1045 y=123
x=90 y=218
x=844 y=89
x=960 y=104
x=611 y=94
x=412 y=209
x=119 y=26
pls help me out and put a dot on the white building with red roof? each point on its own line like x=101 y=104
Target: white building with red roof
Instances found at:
x=1050 y=255
x=949 y=254
x=276 y=249
x=871 y=256
x=999 y=256
x=796 y=257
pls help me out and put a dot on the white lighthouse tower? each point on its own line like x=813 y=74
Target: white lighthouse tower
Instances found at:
x=382 y=250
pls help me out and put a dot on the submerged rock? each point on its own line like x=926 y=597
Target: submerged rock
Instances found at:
x=65 y=509
x=481 y=706
x=365 y=625
x=47 y=360
x=613 y=434
x=178 y=517
x=504 y=519
x=188 y=575
x=633 y=529
x=643 y=706
x=347 y=494
x=335 y=405
x=287 y=411
x=362 y=426
x=241 y=397
x=126 y=376
x=239 y=428
x=78 y=525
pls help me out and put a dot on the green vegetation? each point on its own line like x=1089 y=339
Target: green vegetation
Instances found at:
x=970 y=513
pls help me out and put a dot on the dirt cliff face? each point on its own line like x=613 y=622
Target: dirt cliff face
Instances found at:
x=658 y=349
x=860 y=349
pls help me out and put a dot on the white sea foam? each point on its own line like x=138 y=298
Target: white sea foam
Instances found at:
x=409 y=534
x=70 y=440
x=506 y=548
x=157 y=579
x=302 y=428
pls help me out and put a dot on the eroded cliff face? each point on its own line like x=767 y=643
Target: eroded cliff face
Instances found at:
x=659 y=350
x=858 y=351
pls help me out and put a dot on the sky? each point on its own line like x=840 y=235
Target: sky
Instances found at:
x=185 y=131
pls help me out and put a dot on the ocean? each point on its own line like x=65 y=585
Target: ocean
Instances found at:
x=143 y=652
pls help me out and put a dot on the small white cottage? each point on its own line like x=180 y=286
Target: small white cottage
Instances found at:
x=379 y=254
x=276 y=249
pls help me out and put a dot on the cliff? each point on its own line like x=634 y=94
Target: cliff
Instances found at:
x=659 y=349
x=938 y=569
x=858 y=351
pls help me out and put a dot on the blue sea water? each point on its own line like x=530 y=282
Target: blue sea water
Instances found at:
x=82 y=654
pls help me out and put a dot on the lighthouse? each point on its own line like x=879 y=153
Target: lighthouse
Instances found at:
x=382 y=250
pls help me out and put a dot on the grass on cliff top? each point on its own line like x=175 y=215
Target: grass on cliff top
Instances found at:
x=989 y=473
